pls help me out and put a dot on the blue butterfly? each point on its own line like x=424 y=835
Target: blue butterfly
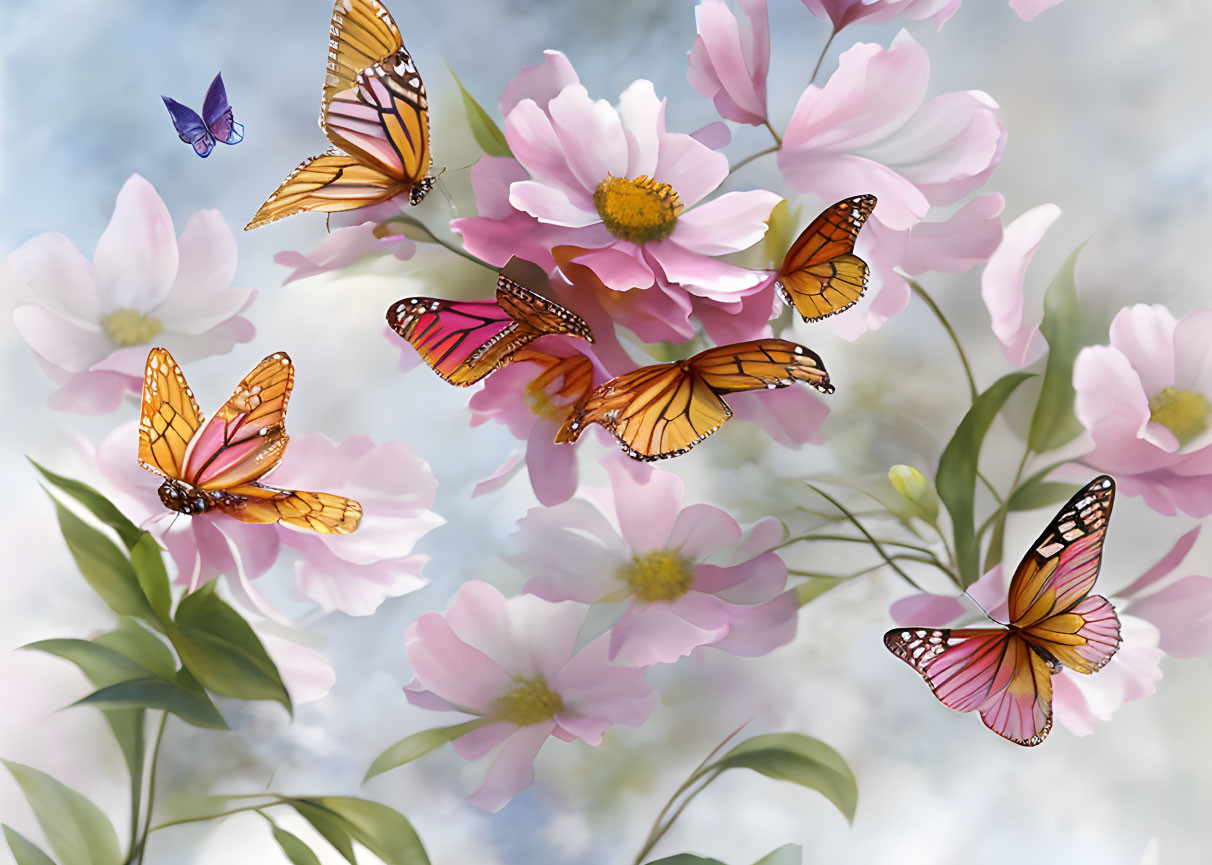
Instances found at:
x=218 y=125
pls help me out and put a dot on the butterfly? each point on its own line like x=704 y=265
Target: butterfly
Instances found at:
x=374 y=110
x=821 y=276
x=463 y=341
x=219 y=465
x=666 y=409
x=215 y=124
x=1006 y=673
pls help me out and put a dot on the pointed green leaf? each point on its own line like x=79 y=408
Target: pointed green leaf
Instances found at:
x=332 y=827
x=77 y=830
x=383 y=831
x=1039 y=495
x=141 y=646
x=956 y=478
x=418 y=745
x=685 y=859
x=151 y=692
x=483 y=128
x=296 y=851
x=148 y=562
x=1054 y=422
x=788 y=854
x=104 y=566
x=26 y=852
x=98 y=505
x=814 y=587
x=222 y=651
x=797 y=758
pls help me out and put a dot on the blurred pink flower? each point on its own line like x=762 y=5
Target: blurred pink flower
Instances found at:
x=870 y=129
x=842 y=13
x=350 y=573
x=512 y=662
x=730 y=59
x=1181 y=610
x=307 y=674
x=1002 y=284
x=618 y=193
x=1146 y=400
x=90 y=323
x=684 y=575
x=359 y=233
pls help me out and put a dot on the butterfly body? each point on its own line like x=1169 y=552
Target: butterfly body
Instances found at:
x=820 y=275
x=216 y=123
x=1055 y=623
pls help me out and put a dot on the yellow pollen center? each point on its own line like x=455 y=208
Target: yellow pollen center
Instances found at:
x=530 y=701
x=127 y=327
x=658 y=576
x=638 y=209
x=1182 y=412
x=539 y=402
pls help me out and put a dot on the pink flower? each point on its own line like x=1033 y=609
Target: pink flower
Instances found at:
x=90 y=323
x=730 y=59
x=870 y=129
x=684 y=576
x=512 y=662
x=1002 y=284
x=1181 y=610
x=360 y=233
x=351 y=573
x=307 y=674
x=842 y=13
x=619 y=193
x=1146 y=400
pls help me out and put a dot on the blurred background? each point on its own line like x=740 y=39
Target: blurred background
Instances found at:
x=1109 y=114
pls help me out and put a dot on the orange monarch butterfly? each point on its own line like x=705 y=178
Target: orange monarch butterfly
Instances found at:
x=219 y=466
x=463 y=341
x=1006 y=673
x=374 y=110
x=821 y=276
x=666 y=409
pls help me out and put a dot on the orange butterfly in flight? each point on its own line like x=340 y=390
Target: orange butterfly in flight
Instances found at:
x=821 y=276
x=666 y=409
x=219 y=465
x=374 y=110
x=1006 y=673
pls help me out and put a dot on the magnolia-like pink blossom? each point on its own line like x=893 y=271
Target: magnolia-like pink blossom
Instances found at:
x=1002 y=284
x=684 y=576
x=513 y=663
x=306 y=673
x=359 y=233
x=730 y=59
x=351 y=573
x=619 y=194
x=90 y=323
x=870 y=129
x=1146 y=400
x=842 y=13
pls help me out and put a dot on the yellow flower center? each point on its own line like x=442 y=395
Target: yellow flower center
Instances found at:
x=530 y=701
x=1182 y=412
x=638 y=209
x=540 y=403
x=657 y=576
x=127 y=327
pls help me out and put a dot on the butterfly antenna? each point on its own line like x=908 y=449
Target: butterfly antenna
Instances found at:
x=988 y=615
x=449 y=199
x=328 y=223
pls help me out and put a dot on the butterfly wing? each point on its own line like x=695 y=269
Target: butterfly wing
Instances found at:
x=324 y=513
x=169 y=417
x=190 y=127
x=462 y=341
x=760 y=364
x=245 y=439
x=1084 y=639
x=329 y=183
x=536 y=314
x=990 y=670
x=820 y=275
x=362 y=33
x=217 y=114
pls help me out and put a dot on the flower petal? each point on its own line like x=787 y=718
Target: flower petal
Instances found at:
x=730 y=223
x=136 y=257
x=647 y=506
x=541 y=83
x=70 y=347
x=56 y=272
x=449 y=667
x=512 y=770
x=202 y=295
x=1002 y=282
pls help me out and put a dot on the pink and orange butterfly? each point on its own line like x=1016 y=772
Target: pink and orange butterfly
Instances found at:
x=1006 y=673
x=374 y=111
x=821 y=276
x=219 y=465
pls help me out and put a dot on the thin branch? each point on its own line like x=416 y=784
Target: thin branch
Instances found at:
x=821 y=58
x=151 y=790
x=921 y=292
x=778 y=139
x=752 y=157
x=456 y=250
x=884 y=541
x=876 y=544
x=654 y=839
x=206 y=817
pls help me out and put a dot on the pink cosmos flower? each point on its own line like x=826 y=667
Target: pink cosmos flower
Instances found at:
x=684 y=576
x=512 y=663
x=350 y=573
x=1002 y=284
x=730 y=59
x=618 y=193
x=1146 y=400
x=359 y=233
x=90 y=323
x=842 y=13
x=870 y=129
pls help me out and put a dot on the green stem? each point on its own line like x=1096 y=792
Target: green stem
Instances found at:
x=884 y=541
x=921 y=292
x=778 y=139
x=151 y=790
x=206 y=817
x=654 y=839
x=752 y=157
x=452 y=247
x=821 y=58
x=1000 y=523
x=990 y=487
x=874 y=543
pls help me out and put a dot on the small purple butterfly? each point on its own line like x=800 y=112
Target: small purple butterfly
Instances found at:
x=219 y=125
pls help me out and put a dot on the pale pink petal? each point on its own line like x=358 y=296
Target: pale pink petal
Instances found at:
x=729 y=68
x=1182 y=613
x=452 y=669
x=617 y=268
x=990 y=593
x=1002 y=282
x=692 y=168
x=729 y=223
x=1193 y=351
x=306 y=673
x=761 y=628
x=550 y=204
x=647 y=507
x=202 y=295
x=655 y=634
x=926 y=611
x=512 y=770
x=552 y=467
x=699 y=530
x=592 y=136
x=535 y=143
x=740 y=322
x=571 y=551
x=1112 y=402
x=1165 y=565
x=703 y=277
x=715 y=135
x=335 y=583
x=481 y=741
x=136 y=258
x=792 y=416
x=1131 y=674
x=541 y=83
x=91 y=393
x=500 y=475
x=836 y=176
x=1144 y=335
x=1028 y=9
x=598 y=694
x=343 y=247
x=969 y=237
x=69 y=346
x=55 y=272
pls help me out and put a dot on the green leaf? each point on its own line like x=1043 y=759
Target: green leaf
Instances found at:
x=104 y=566
x=334 y=829
x=101 y=664
x=813 y=588
x=381 y=830
x=483 y=128
x=25 y=851
x=685 y=859
x=788 y=854
x=146 y=559
x=1039 y=495
x=1054 y=422
x=296 y=851
x=222 y=652
x=956 y=479
x=77 y=830
x=141 y=646
x=98 y=505
x=797 y=758
x=418 y=745
x=150 y=692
